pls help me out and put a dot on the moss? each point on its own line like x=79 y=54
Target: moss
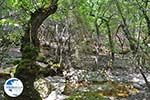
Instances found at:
x=86 y=96
x=10 y=70
x=28 y=94
x=30 y=52
x=41 y=58
x=16 y=62
x=27 y=67
x=27 y=72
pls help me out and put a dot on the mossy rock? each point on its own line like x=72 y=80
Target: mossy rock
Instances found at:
x=43 y=86
x=86 y=96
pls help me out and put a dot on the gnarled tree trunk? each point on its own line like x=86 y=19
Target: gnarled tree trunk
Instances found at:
x=27 y=71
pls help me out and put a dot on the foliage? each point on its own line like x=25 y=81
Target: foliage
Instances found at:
x=86 y=96
x=115 y=89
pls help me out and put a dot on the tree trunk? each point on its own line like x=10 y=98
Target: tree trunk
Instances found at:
x=132 y=42
x=111 y=45
x=27 y=71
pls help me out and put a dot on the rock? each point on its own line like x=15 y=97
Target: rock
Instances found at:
x=11 y=56
x=76 y=75
x=44 y=87
x=52 y=96
x=56 y=96
x=58 y=83
x=41 y=64
x=135 y=79
x=56 y=79
x=15 y=52
x=143 y=95
x=137 y=86
x=95 y=76
x=148 y=45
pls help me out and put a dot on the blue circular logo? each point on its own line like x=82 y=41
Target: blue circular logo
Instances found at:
x=13 y=87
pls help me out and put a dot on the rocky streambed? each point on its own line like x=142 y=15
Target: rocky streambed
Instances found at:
x=123 y=82
x=110 y=86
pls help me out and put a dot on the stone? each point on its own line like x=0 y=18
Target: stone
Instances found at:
x=56 y=96
x=43 y=86
x=57 y=82
x=41 y=64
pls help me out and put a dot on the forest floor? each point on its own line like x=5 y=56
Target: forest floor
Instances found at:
x=122 y=82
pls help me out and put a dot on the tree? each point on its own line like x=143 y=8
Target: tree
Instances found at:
x=27 y=71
